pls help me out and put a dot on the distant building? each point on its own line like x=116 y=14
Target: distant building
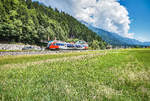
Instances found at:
x=109 y=47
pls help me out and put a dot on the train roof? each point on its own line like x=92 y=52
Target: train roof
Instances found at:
x=78 y=42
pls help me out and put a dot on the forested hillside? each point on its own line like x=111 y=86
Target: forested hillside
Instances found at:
x=30 y=22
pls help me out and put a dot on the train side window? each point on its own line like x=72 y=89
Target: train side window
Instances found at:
x=57 y=44
x=60 y=44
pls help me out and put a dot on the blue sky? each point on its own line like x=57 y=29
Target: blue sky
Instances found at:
x=139 y=13
x=128 y=18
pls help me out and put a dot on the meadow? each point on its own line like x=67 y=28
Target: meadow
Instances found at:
x=109 y=75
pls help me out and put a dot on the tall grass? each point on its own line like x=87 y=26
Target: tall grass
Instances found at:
x=116 y=76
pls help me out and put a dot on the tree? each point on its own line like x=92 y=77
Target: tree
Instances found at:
x=95 y=44
x=29 y=4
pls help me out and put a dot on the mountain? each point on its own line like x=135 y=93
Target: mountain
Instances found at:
x=33 y=23
x=146 y=43
x=115 y=39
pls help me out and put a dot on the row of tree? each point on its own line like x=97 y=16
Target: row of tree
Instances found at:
x=31 y=22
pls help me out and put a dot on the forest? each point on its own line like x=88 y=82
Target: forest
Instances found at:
x=33 y=23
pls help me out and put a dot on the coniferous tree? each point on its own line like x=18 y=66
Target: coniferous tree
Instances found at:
x=29 y=4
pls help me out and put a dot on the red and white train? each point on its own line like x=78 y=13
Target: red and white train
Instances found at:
x=56 y=45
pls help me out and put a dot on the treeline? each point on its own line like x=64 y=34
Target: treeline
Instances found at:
x=31 y=22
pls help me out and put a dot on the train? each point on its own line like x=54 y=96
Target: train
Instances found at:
x=60 y=45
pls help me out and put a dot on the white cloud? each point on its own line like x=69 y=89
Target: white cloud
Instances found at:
x=143 y=39
x=130 y=35
x=63 y=5
x=106 y=14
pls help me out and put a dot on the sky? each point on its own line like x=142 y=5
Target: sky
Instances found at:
x=128 y=18
x=139 y=13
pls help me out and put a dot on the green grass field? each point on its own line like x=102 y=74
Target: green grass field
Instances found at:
x=117 y=75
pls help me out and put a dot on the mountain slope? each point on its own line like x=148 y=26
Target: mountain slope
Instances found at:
x=31 y=22
x=115 y=39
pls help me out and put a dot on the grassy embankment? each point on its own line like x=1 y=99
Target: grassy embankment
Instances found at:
x=87 y=76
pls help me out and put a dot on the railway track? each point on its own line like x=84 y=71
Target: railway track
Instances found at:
x=37 y=52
